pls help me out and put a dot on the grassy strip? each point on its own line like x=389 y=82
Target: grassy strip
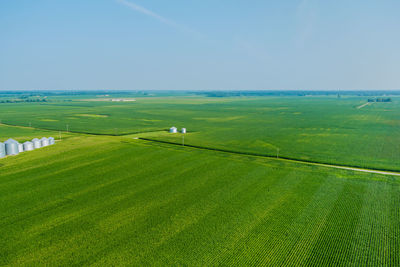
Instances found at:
x=82 y=132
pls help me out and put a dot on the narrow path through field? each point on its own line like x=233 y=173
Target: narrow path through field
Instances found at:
x=354 y=169
x=363 y=105
x=286 y=159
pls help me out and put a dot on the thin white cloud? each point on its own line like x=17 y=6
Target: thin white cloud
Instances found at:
x=162 y=19
x=306 y=19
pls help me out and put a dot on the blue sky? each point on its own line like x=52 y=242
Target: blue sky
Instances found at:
x=199 y=45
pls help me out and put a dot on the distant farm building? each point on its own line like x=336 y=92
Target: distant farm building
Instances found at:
x=173 y=130
x=183 y=130
x=122 y=100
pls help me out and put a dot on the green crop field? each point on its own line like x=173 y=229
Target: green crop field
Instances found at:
x=111 y=200
x=101 y=197
x=323 y=129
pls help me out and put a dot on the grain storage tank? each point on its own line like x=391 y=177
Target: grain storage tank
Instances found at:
x=11 y=147
x=44 y=141
x=28 y=146
x=173 y=130
x=183 y=130
x=51 y=141
x=36 y=143
x=2 y=150
x=20 y=148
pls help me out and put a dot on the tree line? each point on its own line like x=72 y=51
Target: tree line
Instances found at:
x=23 y=100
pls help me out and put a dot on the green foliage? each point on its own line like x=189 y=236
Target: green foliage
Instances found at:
x=23 y=134
x=118 y=201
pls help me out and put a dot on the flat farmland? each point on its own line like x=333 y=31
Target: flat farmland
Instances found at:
x=322 y=129
x=118 y=201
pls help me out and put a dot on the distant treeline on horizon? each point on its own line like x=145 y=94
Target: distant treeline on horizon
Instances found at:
x=233 y=93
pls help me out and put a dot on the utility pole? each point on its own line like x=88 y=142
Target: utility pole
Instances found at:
x=183 y=140
x=59 y=133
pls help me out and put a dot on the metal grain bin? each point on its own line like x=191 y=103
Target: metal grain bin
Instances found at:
x=20 y=148
x=183 y=130
x=28 y=146
x=11 y=147
x=36 y=143
x=45 y=141
x=51 y=141
x=2 y=150
x=173 y=130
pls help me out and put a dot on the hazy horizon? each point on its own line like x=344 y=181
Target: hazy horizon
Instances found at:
x=138 y=45
x=379 y=91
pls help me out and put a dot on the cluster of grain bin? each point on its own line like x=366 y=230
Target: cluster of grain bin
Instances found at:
x=12 y=147
x=175 y=130
x=44 y=141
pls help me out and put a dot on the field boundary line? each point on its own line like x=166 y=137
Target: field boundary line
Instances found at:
x=282 y=158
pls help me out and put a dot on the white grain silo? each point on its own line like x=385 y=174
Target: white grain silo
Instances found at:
x=173 y=130
x=51 y=141
x=20 y=147
x=183 y=130
x=28 y=146
x=44 y=141
x=36 y=143
x=2 y=150
x=11 y=147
